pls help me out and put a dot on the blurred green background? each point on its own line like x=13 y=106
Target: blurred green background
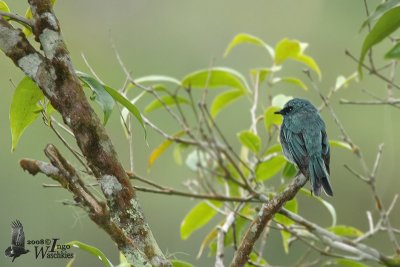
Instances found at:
x=175 y=38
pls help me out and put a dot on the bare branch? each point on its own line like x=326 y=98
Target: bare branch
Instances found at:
x=267 y=212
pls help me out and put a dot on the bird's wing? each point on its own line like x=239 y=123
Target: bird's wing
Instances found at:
x=297 y=148
x=18 y=236
x=326 y=151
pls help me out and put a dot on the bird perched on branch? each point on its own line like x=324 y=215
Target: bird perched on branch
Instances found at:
x=305 y=143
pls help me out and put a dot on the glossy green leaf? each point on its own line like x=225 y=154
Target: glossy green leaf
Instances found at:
x=380 y=10
x=269 y=168
x=293 y=207
x=271 y=119
x=167 y=100
x=386 y=25
x=24 y=108
x=336 y=143
x=161 y=148
x=224 y=99
x=198 y=216
x=280 y=100
x=393 y=53
x=105 y=101
x=217 y=77
x=349 y=263
x=28 y=15
x=179 y=263
x=344 y=230
x=243 y=38
x=126 y=103
x=293 y=49
x=92 y=250
x=4 y=7
x=157 y=79
x=291 y=80
x=331 y=209
x=250 y=140
x=289 y=171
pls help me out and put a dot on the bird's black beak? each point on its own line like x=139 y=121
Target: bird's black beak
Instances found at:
x=278 y=112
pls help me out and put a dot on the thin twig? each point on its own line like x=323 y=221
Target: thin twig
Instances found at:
x=17 y=18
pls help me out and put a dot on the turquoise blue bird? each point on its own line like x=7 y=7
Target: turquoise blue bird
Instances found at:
x=305 y=143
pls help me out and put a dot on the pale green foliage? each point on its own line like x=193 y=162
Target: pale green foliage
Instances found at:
x=387 y=23
x=24 y=108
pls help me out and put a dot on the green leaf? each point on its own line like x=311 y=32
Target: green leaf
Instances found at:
x=216 y=77
x=4 y=7
x=28 y=15
x=293 y=49
x=262 y=74
x=198 y=216
x=242 y=38
x=24 y=108
x=276 y=148
x=105 y=101
x=349 y=263
x=291 y=80
x=177 y=153
x=269 y=168
x=126 y=103
x=70 y=262
x=280 y=100
x=393 y=53
x=289 y=171
x=293 y=207
x=271 y=119
x=167 y=100
x=326 y=204
x=93 y=250
x=386 y=25
x=250 y=140
x=336 y=143
x=379 y=11
x=224 y=99
x=161 y=148
x=157 y=79
x=343 y=82
x=344 y=230
x=255 y=258
x=206 y=241
x=179 y=263
x=123 y=262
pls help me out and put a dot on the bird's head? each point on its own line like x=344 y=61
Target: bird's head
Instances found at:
x=296 y=105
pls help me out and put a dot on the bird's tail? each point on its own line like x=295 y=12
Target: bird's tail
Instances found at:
x=8 y=252
x=319 y=176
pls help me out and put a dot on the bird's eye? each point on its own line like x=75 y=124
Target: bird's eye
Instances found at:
x=289 y=109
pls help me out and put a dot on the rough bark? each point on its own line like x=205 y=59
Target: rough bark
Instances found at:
x=121 y=217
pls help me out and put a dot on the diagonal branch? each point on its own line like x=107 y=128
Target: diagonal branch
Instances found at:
x=267 y=212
